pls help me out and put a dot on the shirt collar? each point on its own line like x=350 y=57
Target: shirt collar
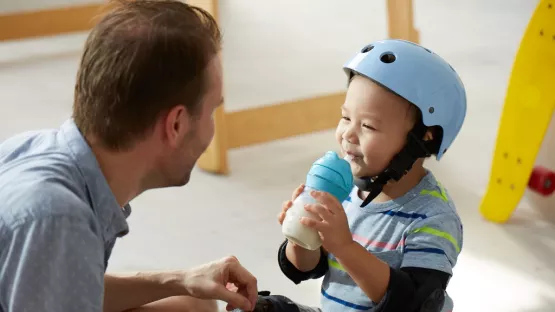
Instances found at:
x=111 y=216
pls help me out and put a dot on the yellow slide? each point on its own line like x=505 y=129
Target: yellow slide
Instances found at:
x=526 y=116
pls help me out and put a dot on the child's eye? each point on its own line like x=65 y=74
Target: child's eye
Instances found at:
x=346 y=118
x=368 y=127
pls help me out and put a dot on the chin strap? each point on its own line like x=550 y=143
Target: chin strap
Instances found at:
x=400 y=164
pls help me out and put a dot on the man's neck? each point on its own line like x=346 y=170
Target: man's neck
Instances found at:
x=123 y=171
x=396 y=189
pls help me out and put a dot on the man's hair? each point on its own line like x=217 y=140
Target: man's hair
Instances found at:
x=141 y=59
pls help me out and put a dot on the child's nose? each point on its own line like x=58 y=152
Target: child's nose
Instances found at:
x=350 y=135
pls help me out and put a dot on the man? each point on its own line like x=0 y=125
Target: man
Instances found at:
x=149 y=81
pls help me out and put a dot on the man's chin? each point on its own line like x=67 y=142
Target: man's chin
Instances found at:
x=184 y=180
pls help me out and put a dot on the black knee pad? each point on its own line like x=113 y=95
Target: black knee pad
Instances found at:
x=273 y=303
x=281 y=304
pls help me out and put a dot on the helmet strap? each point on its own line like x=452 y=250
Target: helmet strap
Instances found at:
x=400 y=165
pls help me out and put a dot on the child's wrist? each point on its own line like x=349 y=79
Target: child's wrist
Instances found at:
x=345 y=249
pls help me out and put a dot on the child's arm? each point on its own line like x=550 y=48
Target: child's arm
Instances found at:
x=297 y=263
x=432 y=245
x=431 y=249
x=303 y=259
x=371 y=274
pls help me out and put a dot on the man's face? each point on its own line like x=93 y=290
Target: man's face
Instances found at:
x=195 y=133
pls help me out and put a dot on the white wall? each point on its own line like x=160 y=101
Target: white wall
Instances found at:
x=280 y=60
x=268 y=59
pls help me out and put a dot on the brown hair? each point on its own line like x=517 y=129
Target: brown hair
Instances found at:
x=141 y=59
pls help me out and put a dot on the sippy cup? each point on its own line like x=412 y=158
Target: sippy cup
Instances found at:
x=329 y=174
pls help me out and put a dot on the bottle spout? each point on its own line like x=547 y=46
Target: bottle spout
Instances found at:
x=331 y=174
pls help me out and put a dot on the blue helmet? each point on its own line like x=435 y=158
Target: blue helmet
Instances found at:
x=421 y=77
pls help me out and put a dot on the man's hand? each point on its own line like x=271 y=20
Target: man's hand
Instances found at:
x=333 y=225
x=210 y=281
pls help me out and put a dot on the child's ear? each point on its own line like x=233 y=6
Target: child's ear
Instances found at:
x=428 y=136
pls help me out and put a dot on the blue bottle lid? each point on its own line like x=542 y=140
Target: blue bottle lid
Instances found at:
x=331 y=174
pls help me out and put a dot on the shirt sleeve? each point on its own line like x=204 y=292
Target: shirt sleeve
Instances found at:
x=434 y=243
x=53 y=264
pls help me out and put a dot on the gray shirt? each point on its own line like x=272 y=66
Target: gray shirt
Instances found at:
x=419 y=229
x=59 y=221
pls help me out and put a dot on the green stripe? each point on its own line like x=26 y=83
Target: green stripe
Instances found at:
x=435 y=194
x=441 y=195
x=336 y=265
x=439 y=233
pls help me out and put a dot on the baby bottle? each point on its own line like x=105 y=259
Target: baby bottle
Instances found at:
x=329 y=174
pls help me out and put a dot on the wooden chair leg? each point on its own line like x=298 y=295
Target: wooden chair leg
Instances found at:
x=214 y=158
x=401 y=20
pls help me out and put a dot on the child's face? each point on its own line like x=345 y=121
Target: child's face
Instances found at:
x=374 y=126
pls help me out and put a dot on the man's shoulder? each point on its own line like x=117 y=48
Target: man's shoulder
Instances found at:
x=47 y=200
x=38 y=179
x=38 y=153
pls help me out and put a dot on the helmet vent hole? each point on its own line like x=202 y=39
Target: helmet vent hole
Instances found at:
x=388 y=58
x=431 y=110
x=367 y=49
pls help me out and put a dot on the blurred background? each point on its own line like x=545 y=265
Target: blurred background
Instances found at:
x=284 y=50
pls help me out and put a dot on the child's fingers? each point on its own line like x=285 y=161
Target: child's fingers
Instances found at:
x=286 y=205
x=297 y=191
x=319 y=226
x=281 y=217
x=321 y=211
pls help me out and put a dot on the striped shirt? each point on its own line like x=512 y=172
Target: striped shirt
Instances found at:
x=419 y=229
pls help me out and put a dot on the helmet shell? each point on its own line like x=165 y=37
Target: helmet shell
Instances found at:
x=421 y=77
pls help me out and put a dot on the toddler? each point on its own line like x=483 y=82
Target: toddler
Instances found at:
x=392 y=245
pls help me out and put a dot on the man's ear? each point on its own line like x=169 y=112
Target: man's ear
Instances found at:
x=176 y=125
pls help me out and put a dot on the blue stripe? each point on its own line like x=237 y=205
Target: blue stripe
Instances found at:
x=348 y=199
x=404 y=214
x=345 y=303
x=427 y=250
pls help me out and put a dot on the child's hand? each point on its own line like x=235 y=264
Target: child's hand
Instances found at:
x=334 y=226
x=289 y=203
